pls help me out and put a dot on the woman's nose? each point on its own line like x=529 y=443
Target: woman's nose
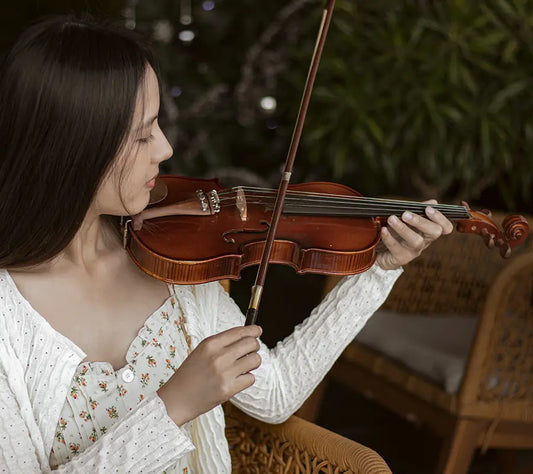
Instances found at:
x=163 y=150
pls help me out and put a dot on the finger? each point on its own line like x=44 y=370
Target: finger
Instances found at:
x=229 y=336
x=411 y=239
x=428 y=228
x=430 y=201
x=439 y=218
x=240 y=348
x=397 y=252
x=247 y=363
x=243 y=381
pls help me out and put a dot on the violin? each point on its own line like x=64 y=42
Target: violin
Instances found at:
x=200 y=231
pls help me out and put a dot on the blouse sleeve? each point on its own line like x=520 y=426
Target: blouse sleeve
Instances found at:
x=146 y=440
x=290 y=371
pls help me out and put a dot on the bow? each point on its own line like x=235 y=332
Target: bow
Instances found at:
x=257 y=289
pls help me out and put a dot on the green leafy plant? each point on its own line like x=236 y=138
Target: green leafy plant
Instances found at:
x=427 y=98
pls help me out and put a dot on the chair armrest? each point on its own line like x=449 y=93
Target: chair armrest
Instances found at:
x=295 y=446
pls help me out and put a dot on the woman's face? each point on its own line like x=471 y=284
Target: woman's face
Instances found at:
x=132 y=176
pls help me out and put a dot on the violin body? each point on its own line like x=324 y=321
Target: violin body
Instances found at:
x=200 y=231
x=198 y=249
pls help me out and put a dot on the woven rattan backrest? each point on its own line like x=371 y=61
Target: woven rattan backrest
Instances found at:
x=452 y=276
x=499 y=377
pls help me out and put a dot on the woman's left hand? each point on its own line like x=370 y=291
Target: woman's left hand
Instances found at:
x=411 y=235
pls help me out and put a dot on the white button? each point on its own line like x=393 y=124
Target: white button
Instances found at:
x=128 y=375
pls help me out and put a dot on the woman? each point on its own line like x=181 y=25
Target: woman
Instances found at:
x=103 y=368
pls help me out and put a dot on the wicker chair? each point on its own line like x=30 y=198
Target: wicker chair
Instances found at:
x=493 y=407
x=294 y=447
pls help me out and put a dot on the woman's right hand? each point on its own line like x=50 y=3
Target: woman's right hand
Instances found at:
x=212 y=373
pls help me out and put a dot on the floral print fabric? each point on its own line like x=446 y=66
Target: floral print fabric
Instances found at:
x=99 y=396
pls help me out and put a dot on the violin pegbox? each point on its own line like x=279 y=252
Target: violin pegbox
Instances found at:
x=511 y=234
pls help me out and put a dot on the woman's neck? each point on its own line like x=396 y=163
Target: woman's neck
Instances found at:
x=94 y=242
x=95 y=246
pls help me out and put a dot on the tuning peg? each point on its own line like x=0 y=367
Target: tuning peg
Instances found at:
x=505 y=249
x=488 y=238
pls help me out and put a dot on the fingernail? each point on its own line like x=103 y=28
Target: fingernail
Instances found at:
x=407 y=216
x=394 y=219
x=430 y=210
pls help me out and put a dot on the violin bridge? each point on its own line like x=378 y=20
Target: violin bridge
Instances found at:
x=240 y=202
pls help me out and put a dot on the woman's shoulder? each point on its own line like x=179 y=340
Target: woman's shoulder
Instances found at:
x=16 y=315
x=4 y=275
x=13 y=319
x=8 y=293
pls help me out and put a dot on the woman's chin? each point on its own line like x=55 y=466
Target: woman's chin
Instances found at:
x=138 y=206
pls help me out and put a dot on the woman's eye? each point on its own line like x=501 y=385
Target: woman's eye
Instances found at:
x=147 y=139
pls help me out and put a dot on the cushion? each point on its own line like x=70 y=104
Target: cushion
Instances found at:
x=436 y=346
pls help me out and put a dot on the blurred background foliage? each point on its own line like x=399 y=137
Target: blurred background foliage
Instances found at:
x=433 y=98
x=416 y=98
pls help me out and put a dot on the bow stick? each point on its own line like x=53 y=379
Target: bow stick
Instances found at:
x=257 y=289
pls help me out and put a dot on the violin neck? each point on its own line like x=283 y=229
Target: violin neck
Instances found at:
x=321 y=204
x=309 y=203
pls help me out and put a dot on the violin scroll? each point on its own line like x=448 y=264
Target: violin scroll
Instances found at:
x=513 y=232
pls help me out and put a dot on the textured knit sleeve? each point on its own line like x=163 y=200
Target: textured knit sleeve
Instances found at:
x=291 y=371
x=146 y=440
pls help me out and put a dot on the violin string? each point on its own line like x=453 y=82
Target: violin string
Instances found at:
x=365 y=208
x=338 y=198
x=359 y=204
x=249 y=190
x=362 y=204
x=349 y=200
x=368 y=207
x=348 y=210
x=305 y=201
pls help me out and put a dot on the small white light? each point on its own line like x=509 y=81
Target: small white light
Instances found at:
x=186 y=19
x=268 y=103
x=186 y=36
x=208 y=5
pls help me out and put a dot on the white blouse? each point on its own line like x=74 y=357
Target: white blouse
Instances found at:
x=37 y=365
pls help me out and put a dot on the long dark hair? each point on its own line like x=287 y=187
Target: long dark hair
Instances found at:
x=68 y=89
